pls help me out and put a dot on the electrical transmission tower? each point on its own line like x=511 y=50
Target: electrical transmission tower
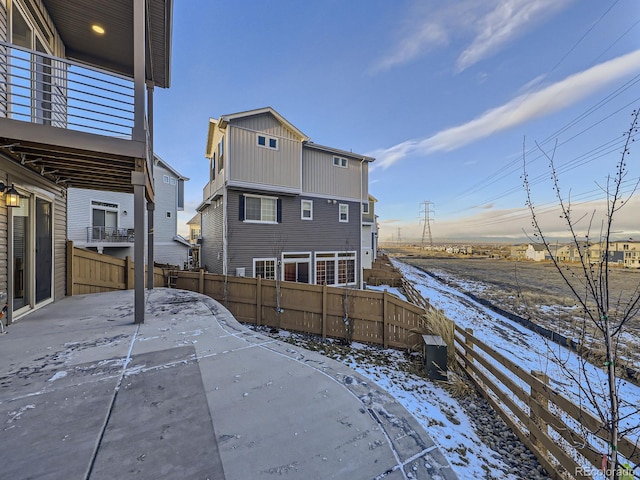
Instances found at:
x=399 y=238
x=425 y=217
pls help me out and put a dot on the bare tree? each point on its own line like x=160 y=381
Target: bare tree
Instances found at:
x=279 y=243
x=605 y=312
x=348 y=301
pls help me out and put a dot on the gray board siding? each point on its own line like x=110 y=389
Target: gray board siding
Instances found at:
x=322 y=234
x=212 y=228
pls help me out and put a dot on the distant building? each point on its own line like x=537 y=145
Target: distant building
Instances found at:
x=277 y=204
x=103 y=221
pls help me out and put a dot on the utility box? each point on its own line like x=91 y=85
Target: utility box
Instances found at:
x=434 y=353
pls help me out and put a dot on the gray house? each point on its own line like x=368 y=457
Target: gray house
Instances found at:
x=103 y=221
x=278 y=204
x=76 y=110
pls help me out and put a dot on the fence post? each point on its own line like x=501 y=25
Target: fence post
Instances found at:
x=128 y=277
x=541 y=402
x=468 y=341
x=69 y=267
x=385 y=325
x=201 y=281
x=324 y=311
x=258 y=300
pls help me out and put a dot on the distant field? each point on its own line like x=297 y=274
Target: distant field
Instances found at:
x=533 y=290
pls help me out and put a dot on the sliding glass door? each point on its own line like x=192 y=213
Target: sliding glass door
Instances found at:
x=32 y=237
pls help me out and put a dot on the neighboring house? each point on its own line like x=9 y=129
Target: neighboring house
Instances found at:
x=103 y=221
x=536 y=252
x=76 y=97
x=278 y=204
x=519 y=252
x=625 y=252
x=195 y=238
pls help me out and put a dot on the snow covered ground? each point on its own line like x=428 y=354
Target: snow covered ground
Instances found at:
x=440 y=413
x=521 y=345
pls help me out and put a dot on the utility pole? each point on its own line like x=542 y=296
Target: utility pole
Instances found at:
x=399 y=238
x=426 y=219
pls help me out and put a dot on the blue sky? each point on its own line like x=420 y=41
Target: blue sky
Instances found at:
x=445 y=95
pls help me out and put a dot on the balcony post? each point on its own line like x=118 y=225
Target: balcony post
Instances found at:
x=138 y=181
x=150 y=262
x=139 y=43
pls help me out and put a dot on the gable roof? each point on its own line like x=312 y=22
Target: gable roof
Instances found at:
x=225 y=119
x=158 y=161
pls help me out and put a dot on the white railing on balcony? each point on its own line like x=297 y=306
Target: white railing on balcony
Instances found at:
x=109 y=234
x=40 y=88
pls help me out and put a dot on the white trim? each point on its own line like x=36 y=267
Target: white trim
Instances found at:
x=302 y=209
x=340 y=205
x=266 y=259
x=261 y=197
x=267 y=141
x=341 y=162
x=335 y=257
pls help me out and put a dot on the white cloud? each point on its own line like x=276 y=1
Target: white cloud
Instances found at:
x=508 y=20
x=520 y=110
x=488 y=26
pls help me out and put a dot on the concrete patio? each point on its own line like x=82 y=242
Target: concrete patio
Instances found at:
x=190 y=394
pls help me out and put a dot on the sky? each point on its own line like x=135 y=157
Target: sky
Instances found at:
x=453 y=99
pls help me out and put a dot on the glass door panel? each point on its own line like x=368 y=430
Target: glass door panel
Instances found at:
x=21 y=259
x=44 y=250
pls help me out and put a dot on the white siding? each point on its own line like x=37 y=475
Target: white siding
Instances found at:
x=80 y=211
x=166 y=195
x=172 y=253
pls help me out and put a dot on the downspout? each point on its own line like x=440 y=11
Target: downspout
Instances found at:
x=360 y=227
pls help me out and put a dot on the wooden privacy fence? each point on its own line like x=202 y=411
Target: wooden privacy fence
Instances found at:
x=379 y=317
x=539 y=411
x=92 y=272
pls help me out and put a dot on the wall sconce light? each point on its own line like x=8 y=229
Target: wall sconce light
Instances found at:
x=124 y=212
x=12 y=198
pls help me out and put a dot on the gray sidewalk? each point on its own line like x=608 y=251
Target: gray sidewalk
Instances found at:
x=191 y=394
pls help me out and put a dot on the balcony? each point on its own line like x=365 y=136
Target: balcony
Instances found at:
x=110 y=235
x=39 y=88
x=71 y=123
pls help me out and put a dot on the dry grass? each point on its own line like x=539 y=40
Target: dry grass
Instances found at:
x=534 y=290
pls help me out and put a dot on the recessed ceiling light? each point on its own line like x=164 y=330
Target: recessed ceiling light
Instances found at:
x=98 y=29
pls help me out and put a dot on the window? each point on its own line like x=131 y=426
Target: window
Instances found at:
x=259 y=209
x=267 y=142
x=221 y=155
x=172 y=181
x=336 y=268
x=104 y=220
x=365 y=208
x=344 y=212
x=346 y=268
x=165 y=178
x=307 y=209
x=340 y=162
x=213 y=167
x=325 y=269
x=264 y=268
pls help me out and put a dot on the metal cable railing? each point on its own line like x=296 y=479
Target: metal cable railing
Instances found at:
x=40 y=88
